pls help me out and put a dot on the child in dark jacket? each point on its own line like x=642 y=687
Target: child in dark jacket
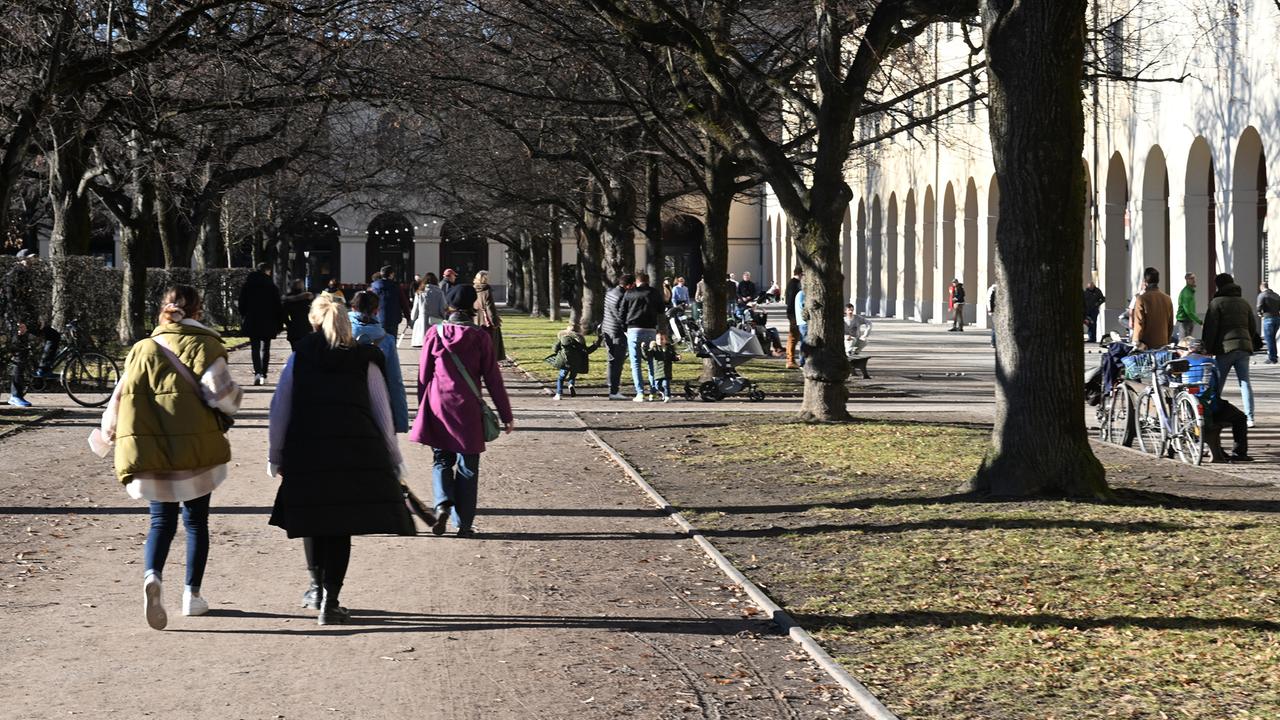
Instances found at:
x=571 y=356
x=662 y=353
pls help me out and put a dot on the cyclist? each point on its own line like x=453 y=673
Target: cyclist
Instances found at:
x=24 y=322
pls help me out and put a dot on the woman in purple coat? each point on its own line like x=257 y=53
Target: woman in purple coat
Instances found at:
x=449 y=415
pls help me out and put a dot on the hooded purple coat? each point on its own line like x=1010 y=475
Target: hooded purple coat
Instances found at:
x=448 y=412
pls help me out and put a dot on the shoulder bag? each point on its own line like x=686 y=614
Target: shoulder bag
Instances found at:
x=224 y=420
x=492 y=428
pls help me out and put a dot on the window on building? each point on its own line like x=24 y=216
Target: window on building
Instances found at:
x=1113 y=47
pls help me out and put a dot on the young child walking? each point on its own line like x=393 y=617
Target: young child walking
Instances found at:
x=662 y=354
x=571 y=356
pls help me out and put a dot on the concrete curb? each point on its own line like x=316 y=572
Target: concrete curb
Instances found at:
x=856 y=690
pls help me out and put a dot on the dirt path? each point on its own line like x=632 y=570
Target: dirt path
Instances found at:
x=577 y=601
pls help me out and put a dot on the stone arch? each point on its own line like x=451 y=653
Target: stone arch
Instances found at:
x=315 y=254
x=910 y=259
x=463 y=248
x=875 y=250
x=846 y=253
x=1248 y=253
x=860 y=261
x=389 y=241
x=969 y=262
x=893 y=257
x=948 y=270
x=1155 y=216
x=1201 y=208
x=928 y=256
x=1117 y=273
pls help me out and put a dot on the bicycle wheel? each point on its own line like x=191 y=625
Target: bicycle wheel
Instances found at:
x=90 y=378
x=1189 y=424
x=1117 y=417
x=1151 y=435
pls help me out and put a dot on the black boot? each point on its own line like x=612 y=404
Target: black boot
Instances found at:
x=331 y=613
x=311 y=598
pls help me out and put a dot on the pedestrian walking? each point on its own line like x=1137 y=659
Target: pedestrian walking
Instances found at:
x=991 y=311
x=614 y=334
x=570 y=356
x=460 y=297
x=366 y=330
x=1230 y=336
x=802 y=323
x=24 y=320
x=167 y=420
x=1093 y=300
x=1268 y=307
x=390 y=311
x=487 y=315
x=679 y=292
x=957 y=306
x=793 y=326
x=1152 y=314
x=334 y=291
x=639 y=310
x=260 y=318
x=1186 y=315
x=338 y=479
x=428 y=308
x=448 y=278
x=661 y=353
x=457 y=358
x=296 y=304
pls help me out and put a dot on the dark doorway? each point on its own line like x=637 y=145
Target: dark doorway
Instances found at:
x=682 y=239
x=315 y=257
x=390 y=242
x=463 y=251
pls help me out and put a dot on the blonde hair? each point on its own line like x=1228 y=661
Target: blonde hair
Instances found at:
x=180 y=301
x=482 y=276
x=330 y=318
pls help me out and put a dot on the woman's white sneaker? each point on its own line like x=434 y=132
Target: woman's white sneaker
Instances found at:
x=152 y=603
x=193 y=604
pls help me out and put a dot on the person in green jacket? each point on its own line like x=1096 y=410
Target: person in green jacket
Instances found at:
x=661 y=353
x=1187 y=317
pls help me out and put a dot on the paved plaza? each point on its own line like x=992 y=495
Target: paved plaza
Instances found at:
x=579 y=599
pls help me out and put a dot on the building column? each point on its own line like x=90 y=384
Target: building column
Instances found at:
x=351 y=252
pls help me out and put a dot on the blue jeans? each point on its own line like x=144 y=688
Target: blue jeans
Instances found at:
x=1270 y=326
x=1238 y=359
x=804 y=331
x=636 y=338
x=664 y=386
x=455 y=479
x=566 y=376
x=164 y=526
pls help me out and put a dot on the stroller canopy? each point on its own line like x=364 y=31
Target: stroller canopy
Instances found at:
x=741 y=343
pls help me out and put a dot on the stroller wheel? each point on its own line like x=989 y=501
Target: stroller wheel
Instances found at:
x=710 y=392
x=756 y=395
x=690 y=390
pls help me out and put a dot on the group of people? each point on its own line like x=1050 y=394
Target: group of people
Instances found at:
x=1229 y=331
x=341 y=387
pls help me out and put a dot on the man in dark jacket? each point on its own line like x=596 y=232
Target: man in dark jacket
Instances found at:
x=639 y=310
x=388 y=291
x=1093 y=299
x=614 y=334
x=1268 y=307
x=1230 y=329
x=297 y=303
x=260 y=318
x=793 y=328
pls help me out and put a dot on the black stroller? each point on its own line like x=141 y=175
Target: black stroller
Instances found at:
x=727 y=352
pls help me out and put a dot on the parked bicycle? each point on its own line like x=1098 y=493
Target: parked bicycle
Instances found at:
x=1170 y=415
x=87 y=376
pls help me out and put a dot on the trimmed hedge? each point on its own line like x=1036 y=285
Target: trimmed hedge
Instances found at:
x=96 y=290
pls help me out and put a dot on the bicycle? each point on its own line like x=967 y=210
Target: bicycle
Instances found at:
x=87 y=376
x=1171 y=415
x=1115 y=414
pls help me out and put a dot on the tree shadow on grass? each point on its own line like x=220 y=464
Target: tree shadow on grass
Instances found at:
x=978 y=523
x=927 y=618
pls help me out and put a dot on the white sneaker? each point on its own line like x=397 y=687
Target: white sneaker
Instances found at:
x=556 y=396
x=617 y=396
x=1249 y=422
x=193 y=605
x=666 y=398
x=257 y=379
x=152 y=604
x=638 y=398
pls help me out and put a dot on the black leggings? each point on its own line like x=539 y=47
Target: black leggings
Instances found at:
x=330 y=554
x=260 y=353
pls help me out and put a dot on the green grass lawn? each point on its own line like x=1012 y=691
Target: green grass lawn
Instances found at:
x=950 y=607
x=529 y=341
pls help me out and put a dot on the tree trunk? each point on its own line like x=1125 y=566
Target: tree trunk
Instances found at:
x=135 y=244
x=69 y=204
x=654 y=257
x=826 y=368
x=210 y=249
x=590 y=276
x=1039 y=446
x=720 y=182
x=554 y=251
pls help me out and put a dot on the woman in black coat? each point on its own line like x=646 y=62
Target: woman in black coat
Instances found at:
x=338 y=478
x=260 y=318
